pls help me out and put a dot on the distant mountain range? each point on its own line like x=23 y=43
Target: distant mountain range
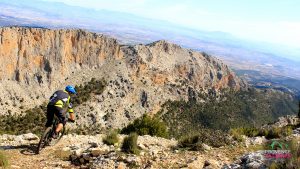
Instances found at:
x=131 y=29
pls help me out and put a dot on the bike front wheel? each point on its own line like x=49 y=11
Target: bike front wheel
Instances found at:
x=44 y=139
x=61 y=134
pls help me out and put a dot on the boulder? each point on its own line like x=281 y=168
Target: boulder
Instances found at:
x=258 y=140
x=18 y=138
x=206 y=147
x=253 y=160
x=142 y=146
x=82 y=161
x=99 y=151
x=64 y=153
x=78 y=152
x=86 y=156
x=30 y=136
x=296 y=132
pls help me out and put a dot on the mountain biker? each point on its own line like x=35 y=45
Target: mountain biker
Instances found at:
x=57 y=105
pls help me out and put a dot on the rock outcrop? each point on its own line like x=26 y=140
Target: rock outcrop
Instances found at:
x=289 y=120
x=253 y=160
x=35 y=62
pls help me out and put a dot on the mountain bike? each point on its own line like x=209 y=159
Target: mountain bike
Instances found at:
x=46 y=138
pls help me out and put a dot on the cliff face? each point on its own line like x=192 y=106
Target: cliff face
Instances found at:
x=42 y=54
x=35 y=62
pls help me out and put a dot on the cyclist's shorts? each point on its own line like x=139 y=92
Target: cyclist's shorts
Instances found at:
x=51 y=110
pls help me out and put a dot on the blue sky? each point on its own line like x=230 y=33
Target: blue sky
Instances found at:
x=274 y=21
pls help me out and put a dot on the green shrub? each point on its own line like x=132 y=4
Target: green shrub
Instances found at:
x=275 y=132
x=90 y=88
x=286 y=131
x=236 y=134
x=251 y=132
x=191 y=142
x=130 y=144
x=214 y=138
x=112 y=138
x=33 y=121
x=263 y=132
x=294 y=147
x=3 y=159
x=147 y=126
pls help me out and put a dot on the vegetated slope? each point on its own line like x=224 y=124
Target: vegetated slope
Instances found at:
x=139 y=79
x=34 y=119
x=264 y=80
x=230 y=109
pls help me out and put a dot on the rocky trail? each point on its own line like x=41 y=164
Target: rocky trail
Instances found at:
x=84 y=151
x=156 y=153
x=19 y=159
x=21 y=153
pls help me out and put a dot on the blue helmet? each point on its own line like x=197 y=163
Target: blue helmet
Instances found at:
x=70 y=89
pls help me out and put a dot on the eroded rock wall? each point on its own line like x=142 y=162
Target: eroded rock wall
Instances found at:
x=35 y=62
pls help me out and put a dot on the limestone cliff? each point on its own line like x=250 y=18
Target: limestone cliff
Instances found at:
x=35 y=62
x=42 y=54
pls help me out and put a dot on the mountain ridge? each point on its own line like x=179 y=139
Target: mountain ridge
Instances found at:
x=38 y=61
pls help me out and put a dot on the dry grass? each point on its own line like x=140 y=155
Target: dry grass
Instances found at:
x=3 y=159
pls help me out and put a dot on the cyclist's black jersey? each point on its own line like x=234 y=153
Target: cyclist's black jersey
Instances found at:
x=61 y=98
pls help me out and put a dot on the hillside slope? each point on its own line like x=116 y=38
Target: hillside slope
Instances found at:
x=140 y=78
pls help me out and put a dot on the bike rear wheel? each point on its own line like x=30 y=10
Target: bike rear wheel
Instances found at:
x=44 y=139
